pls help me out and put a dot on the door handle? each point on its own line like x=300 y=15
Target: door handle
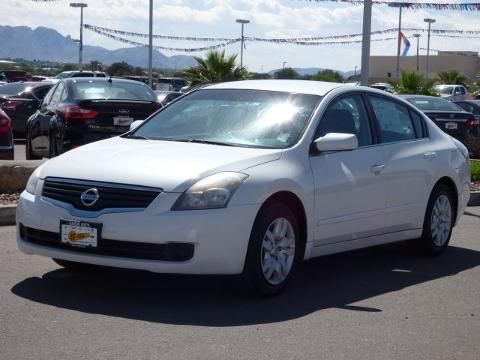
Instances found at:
x=377 y=169
x=430 y=155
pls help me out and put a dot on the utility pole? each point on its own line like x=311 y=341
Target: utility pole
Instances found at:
x=430 y=22
x=242 y=22
x=367 y=28
x=150 y=44
x=418 y=61
x=80 y=43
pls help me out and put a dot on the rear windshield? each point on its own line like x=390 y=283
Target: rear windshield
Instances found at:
x=100 y=90
x=434 y=104
x=13 y=89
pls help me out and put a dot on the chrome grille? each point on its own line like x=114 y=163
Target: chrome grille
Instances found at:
x=111 y=195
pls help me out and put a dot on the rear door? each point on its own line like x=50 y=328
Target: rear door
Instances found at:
x=409 y=162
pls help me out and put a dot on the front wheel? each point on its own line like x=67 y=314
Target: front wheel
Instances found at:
x=274 y=249
x=438 y=223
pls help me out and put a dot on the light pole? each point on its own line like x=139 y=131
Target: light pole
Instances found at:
x=418 y=39
x=399 y=39
x=80 y=43
x=243 y=22
x=150 y=44
x=367 y=28
x=283 y=67
x=430 y=22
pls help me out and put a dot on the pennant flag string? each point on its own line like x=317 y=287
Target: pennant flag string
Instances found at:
x=277 y=40
x=414 y=5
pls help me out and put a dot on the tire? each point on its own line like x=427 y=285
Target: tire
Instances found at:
x=438 y=222
x=74 y=266
x=28 y=148
x=272 y=258
x=52 y=147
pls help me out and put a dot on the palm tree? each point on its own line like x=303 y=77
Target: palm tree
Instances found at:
x=413 y=83
x=215 y=68
x=452 y=77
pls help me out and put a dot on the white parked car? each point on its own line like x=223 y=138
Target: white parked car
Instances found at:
x=452 y=92
x=250 y=177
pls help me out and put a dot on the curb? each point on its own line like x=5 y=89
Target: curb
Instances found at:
x=7 y=214
x=474 y=198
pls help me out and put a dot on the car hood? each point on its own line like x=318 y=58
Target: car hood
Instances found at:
x=172 y=166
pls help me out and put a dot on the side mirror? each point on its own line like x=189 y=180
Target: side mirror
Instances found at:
x=136 y=124
x=336 y=142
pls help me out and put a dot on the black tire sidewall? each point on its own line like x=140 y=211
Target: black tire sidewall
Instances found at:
x=427 y=244
x=253 y=267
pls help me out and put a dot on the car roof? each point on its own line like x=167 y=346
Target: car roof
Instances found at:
x=293 y=86
x=411 y=96
x=476 y=102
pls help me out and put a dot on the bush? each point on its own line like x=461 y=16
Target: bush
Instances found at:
x=475 y=170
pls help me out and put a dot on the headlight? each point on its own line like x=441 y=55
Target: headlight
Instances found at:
x=33 y=180
x=212 y=192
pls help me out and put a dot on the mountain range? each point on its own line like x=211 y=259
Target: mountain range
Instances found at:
x=48 y=44
x=315 y=70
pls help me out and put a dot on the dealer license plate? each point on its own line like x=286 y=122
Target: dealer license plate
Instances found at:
x=451 y=126
x=79 y=233
x=122 y=120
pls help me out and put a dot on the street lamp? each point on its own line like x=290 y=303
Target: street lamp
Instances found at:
x=430 y=22
x=150 y=44
x=283 y=67
x=418 y=39
x=80 y=43
x=243 y=22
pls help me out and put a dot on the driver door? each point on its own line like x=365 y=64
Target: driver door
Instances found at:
x=350 y=189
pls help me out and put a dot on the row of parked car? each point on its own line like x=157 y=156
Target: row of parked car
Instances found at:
x=74 y=110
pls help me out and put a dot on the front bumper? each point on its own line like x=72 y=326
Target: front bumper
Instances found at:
x=220 y=237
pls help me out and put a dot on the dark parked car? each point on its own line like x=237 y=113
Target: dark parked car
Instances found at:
x=472 y=106
x=77 y=111
x=21 y=100
x=165 y=97
x=13 y=75
x=6 y=137
x=450 y=117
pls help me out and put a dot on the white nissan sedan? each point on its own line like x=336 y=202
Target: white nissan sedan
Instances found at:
x=250 y=177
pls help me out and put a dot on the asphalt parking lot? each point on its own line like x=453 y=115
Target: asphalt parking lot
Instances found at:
x=378 y=303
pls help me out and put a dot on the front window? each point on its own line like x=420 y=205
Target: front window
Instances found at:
x=434 y=104
x=255 y=118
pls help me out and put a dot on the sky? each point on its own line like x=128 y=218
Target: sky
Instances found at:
x=268 y=18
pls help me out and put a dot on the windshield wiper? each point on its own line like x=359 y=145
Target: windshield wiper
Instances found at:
x=200 y=141
x=136 y=137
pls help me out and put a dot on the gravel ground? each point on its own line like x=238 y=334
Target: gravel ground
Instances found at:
x=9 y=199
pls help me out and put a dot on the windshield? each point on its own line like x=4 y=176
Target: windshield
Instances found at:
x=13 y=89
x=444 y=90
x=62 y=75
x=233 y=117
x=434 y=104
x=100 y=90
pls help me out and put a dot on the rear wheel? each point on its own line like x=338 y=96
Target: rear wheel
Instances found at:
x=53 y=150
x=28 y=148
x=438 y=223
x=274 y=249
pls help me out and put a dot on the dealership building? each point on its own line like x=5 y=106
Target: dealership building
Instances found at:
x=467 y=62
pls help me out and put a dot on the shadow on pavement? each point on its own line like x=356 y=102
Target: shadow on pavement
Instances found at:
x=334 y=281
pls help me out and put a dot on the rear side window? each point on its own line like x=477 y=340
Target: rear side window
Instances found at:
x=41 y=92
x=419 y=124
x=393 y=119
x=48 y=97
x=57 y=95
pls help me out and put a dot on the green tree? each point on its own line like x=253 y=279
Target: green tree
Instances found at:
x=215 y=68
x=328 y=75
x=412 y=83
x=120 y=69
x=259 y=76
x=286 y=73
x=452 y=77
